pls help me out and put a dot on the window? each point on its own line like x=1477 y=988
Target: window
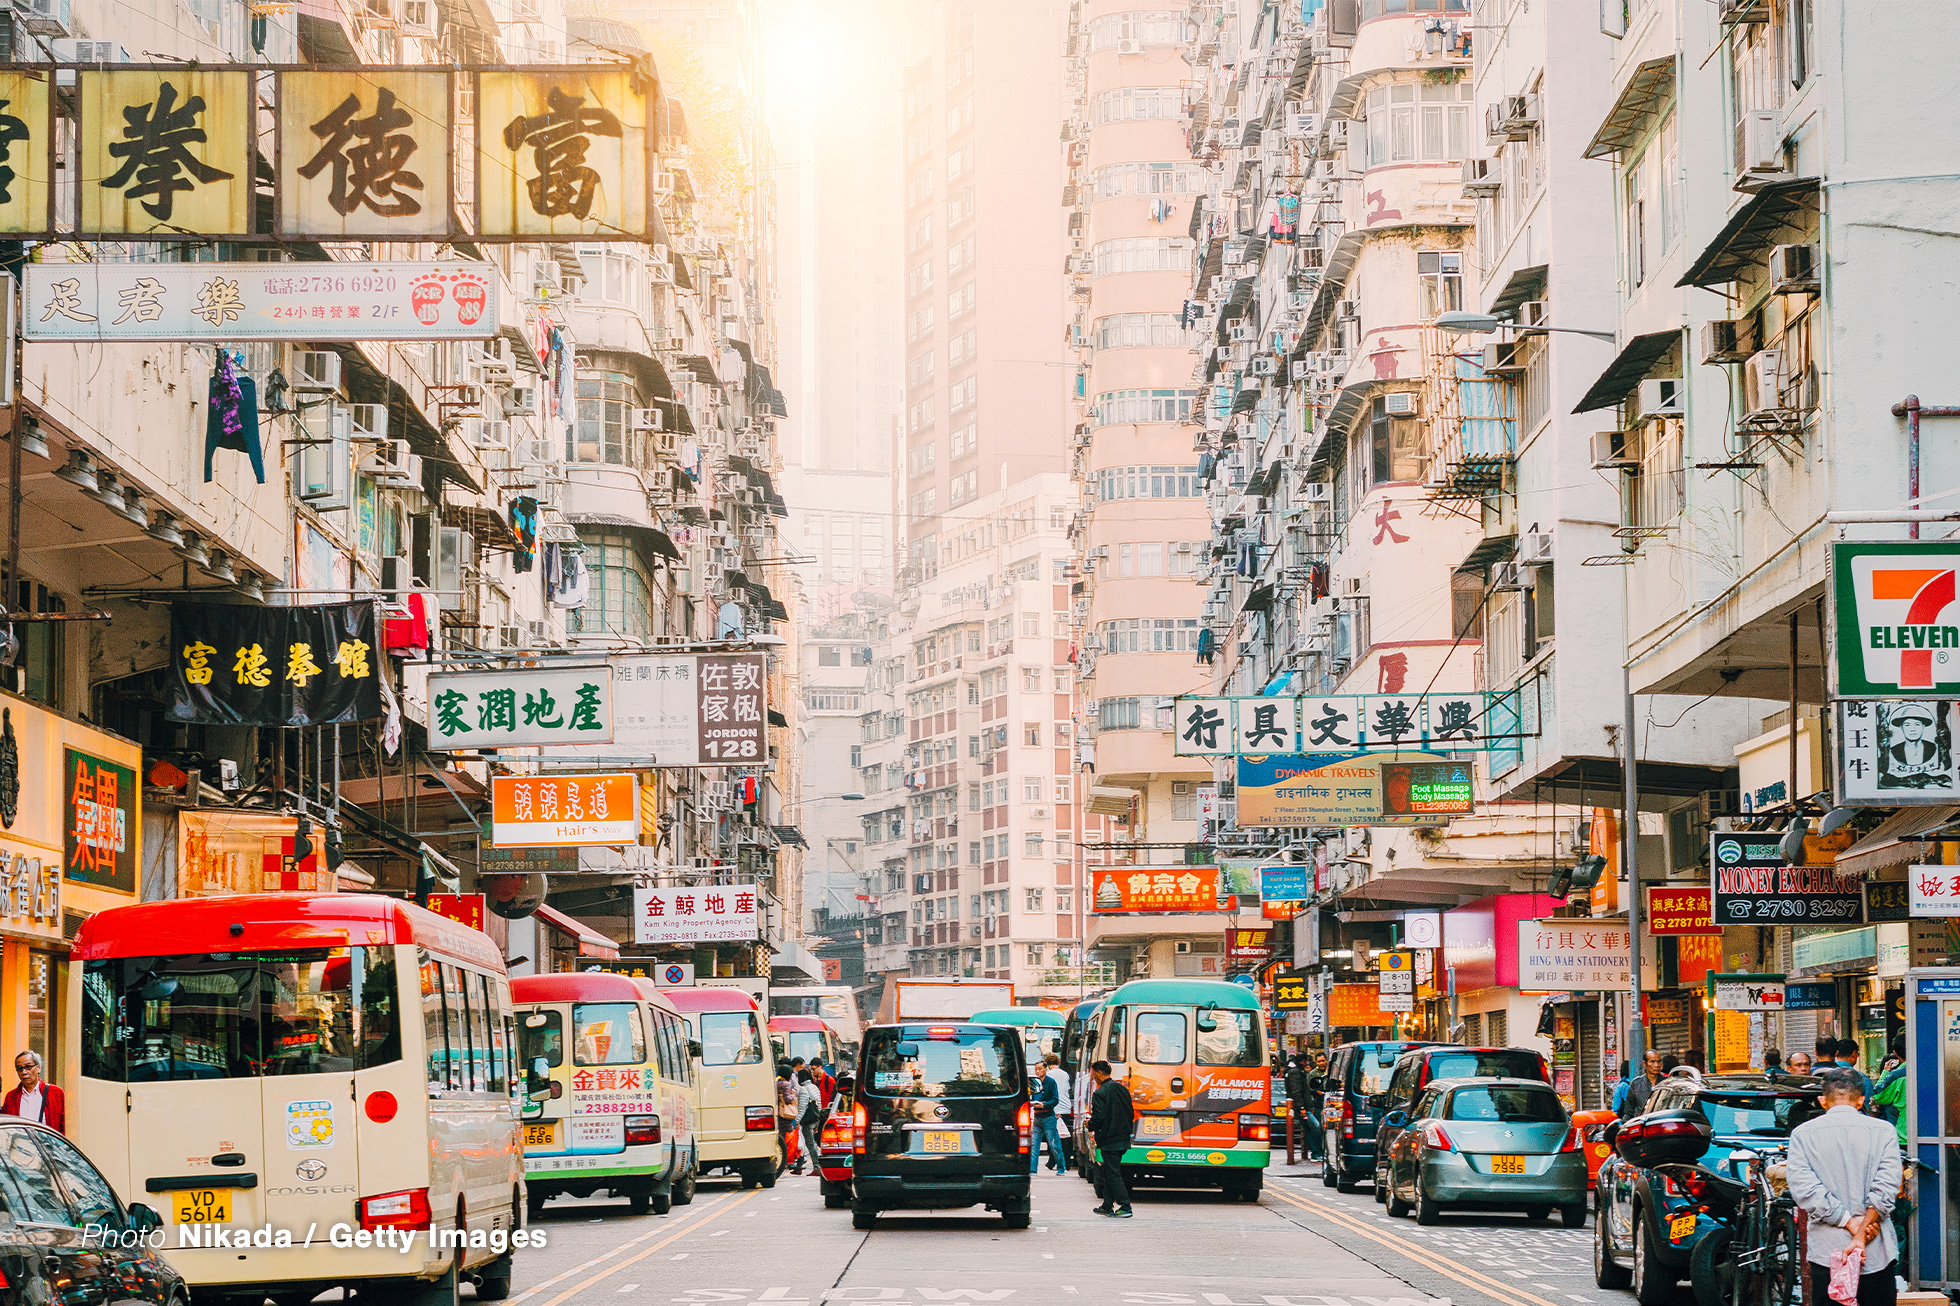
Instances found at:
x=1031 y=624
x=1660 y=489
x=919 y=278
x=919 y=189
x=1064 y=790
x=1135 y=103
x=919 y=233
x=960 y=255
x=1031 y=734
x=919 y=323
x=830 y=655
x=600 y=434
x=1031 y=789
x=1440 y=277
x=728 y=1038
x=607 y=1034
x=962 y=301
x=1408 y=122
x=1033 y=896
x=1139 y=406
x=919 y=370
x=1233 y=1040
x=962 y=348
x=619 y=602
x=1141 y=254
x=1160 y=1038
x=29 y=1185
x=1031 y=683
x=1635 y=183
x=1139 y=331
x=1184 y=800
x=973 y=1063
x=1394 y=444
x=1149 y=635
x=959 y=162
x=1148 y=27
x=1065 y=901
x=1667 y=182
x=1120 y=179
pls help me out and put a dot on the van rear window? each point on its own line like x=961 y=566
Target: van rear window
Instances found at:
x=974 y=1062
x=1374 y=1064
x=1505 y=1063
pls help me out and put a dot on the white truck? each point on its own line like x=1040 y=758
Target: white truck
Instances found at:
x=942 y=999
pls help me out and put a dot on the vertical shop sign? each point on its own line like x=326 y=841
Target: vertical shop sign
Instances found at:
x=98 y=821
x=26 y=153
x=365 y=155
x=165 y=152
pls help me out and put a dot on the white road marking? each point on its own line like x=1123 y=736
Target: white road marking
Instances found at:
x=629 y=1287
x=717 y=1233
x=678 y=1256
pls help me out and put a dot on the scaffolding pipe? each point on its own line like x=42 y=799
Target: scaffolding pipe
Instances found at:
x=1912 y=410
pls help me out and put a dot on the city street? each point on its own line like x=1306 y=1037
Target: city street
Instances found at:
x=1302 y=1245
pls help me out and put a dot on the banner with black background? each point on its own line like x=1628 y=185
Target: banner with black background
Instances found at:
x=274 y=666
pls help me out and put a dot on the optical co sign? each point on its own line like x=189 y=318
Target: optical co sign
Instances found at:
x=1898 y=618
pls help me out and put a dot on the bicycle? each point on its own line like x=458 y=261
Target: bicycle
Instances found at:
x=1757 y=1260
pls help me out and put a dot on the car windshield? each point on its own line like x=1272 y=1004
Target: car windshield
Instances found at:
x=1485 y=1063
x=807 y=1044
x=1769 y=1117
x=1373 y=1067
x=1507 y=1104
x=974 y=1062
x=607 y=1034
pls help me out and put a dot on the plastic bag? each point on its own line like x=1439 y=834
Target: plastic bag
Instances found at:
x=1846 y=1266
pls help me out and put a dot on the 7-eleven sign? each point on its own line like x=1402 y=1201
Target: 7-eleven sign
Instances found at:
x=1898 y=618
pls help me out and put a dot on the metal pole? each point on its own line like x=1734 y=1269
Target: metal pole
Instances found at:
x=1911 y=413
x=14 y=597
x=1630 y=849
x=1793 y=794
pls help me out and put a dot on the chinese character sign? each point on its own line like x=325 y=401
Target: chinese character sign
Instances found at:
x=707 y=709
x=364 y=155
x=165 y=152
x=1337 y=723
x=1121 y=889
x=230 y=302
x=1935 y=890
x=537 y=811
x=1680 y=909
x=464 y=907
x=1894 y=752
x=563 y=152
x=516 y=707
x=707 y=913
x=234 y=664
x=244 y=852
x=98 y=821
x=1573 y=955
x=26 y=152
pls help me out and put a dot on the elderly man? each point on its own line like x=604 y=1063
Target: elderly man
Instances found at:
x=1630 y=1099
x=36 y=1099
x=1798 y=1064
x=1844 y=1170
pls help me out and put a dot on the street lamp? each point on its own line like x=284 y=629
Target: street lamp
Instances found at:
x=1476 y=324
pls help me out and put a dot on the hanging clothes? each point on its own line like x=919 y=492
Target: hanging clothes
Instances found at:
x=553 y=571
x=1205 y=643
x=407 y=634
x=578 y=582
x=231 y=416
x=524 y=525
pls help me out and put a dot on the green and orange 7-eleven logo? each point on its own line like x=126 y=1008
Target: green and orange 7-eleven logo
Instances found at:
x=1898 y=618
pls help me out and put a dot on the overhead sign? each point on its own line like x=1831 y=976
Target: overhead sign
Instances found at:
x=520 y=706
x=563 y=152
x=1934 y=889
x=1257 y=725
x=1252 y=947
x=1318 y=789
x=26 y=153
x=365 y=155
x=524 y=861
x=1573 y=954
x=712 y=913
x=1356 y=1006
x=1680 y=909
x=559 y=810
x=246 y=665
x=1746 y=992
x=1292 y=990
x=98 y=821
x=1286 y=883
x=1817 y=996
x=165 y=151
x=1428 y=789
x=1898 y=627
x=221 y=852
x=1754 y=886
x=229 y=302
x=690 y=709
x=1899 y=752
x=1887 y=901
x=464 y=907
x=1123 y=889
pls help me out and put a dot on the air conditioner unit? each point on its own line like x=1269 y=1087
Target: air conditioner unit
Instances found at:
x=1762 y=381
x=667 y=443
x=521 y=401
x=1481 y=177
x=70 y=50
x=43 y=17
x=1355 y=587
x=316 y=371
x=1535 y=548
x=1337 y=133
x=1182 y=945
x=418 y=17
x=1129 y=47
x=1349 y=310
x=1501 y=359
x=393 y=464
x=1609 y=452
x=1302 y=124
x=644 y=419
x=493 y=435
x=661 y=274
x=1728 y=340
x=1265 y=365
x=1793 y=270
x=368 y=421
x=1402 y=403
x=1661 y=397
x=1317 y=492
x=1520 y=116
x=547 y=274
x=1244 y=333
x=1494 y=132
x=1302 y=369
x=1509 y=576
x=1759 y=157
x=1533 y=313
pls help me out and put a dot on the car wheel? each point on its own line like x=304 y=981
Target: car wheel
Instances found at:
x=1537 y=1212
x=1426 y=1211
x=640 y=1203
x=1652 y=1284
x=836 y=1201
x=1330 y=1169
x=1573 y=1216
x=863 y=1217
x=1607 y=1272
x=1381 y=1186
x=684 y=1186
x=1396 y=1206
x=493 y=1280
x=1710 y=1269
x=767 y=1178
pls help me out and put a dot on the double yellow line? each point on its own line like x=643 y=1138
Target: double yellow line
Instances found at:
x=1469 y=1278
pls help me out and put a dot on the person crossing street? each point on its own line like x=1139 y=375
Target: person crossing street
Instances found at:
x=1112 y=1120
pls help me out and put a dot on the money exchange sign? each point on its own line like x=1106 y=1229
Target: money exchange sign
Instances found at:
x=1754 y=886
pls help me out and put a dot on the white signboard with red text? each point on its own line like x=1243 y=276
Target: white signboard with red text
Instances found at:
x=1573 y=954
x=702 y=913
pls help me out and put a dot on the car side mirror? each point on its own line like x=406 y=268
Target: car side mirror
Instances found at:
x=694 y=1048
x=142 y=1218
x=1207 y=1022
x=1396 y=1119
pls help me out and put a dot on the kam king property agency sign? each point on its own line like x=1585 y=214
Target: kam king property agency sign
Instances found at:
x=1898 y=621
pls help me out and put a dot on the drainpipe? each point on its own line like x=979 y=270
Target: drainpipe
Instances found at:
x=1912 y=410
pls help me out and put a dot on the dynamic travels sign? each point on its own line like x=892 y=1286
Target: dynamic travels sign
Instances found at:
x=1898 y=621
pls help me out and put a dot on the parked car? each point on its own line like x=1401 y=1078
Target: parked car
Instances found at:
x=1484 y=1144
x=51 y=1193
x=1415 y=1070
x=1356 y=1073
x=1646 y=1227
x=834 y=1149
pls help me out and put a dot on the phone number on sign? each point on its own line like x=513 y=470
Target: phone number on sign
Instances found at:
x=1745 y=910
x=614 y=1108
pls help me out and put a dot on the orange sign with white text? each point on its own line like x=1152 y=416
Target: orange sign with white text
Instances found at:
x=1356 y=1005
x=556 y=811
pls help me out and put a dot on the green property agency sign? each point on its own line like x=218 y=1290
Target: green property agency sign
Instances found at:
x=1898 y=619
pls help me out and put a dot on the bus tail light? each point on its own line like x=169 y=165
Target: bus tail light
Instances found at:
x=1257 y=1129
x=1433 y=1135
x=641 y=1130
x=857 y=1129
x=1024 y=1126
x=408 y=1209
x=758 y=1119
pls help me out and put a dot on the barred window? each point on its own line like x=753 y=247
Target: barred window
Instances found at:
x=1114 y=483
x=1120 y=179
x=601 y=434
x=1150 y=635
x=619 y=603
x=1140 y=331
x=1128 y=406
x=1136 y=103
x=1142 y=254
x=1151 y=27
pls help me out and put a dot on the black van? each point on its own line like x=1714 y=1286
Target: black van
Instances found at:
x=1357 y=1072
x=942 y=1120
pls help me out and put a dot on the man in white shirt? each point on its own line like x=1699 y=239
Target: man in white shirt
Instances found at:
x=1064 y=1109
x=1844 y=1170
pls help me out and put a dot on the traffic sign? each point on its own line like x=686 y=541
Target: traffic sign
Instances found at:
x=677 y=974
x=1397 y=973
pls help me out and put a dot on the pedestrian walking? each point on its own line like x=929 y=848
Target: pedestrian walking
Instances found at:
x=1112 y=1120
x=36 y=1099
x=786 y=1115
x=1848 y=1053
x=1631 y=1099
x=1844 y=1171
x=809 y=1115
x=1064 y=1158
x=1047 y=1096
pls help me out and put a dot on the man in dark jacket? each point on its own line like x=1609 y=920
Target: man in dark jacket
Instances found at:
x=1641 y=1086
x=1112 y=1120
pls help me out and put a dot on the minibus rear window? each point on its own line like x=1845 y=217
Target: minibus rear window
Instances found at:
x=974 y=1062
x=729 y=1038
x=1233 y=1039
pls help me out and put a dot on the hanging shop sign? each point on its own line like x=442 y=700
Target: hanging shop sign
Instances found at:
x=365 y=155
x=1124 y=889
x=98 y=821
x=696 y=709
x=525 y=861
x=1934 y=890
x=712 y=913
x=563 y=152
x=1746 y=992
x=231 y=302
x=221 y=853
x=26 y=153
x=1887 y=901
x=1898 y=626
x=1355 y=1006
x=1258 y=725
x=1428 y=789
x=1573 y=955
x=1422 y=930
x=464 y=907
x=1754 y=886
x=1680 y=909
x=164 y=152
x=1899 y=752
x=1319 y=789
x=520 y=706
x=1290 y=883
x=240 y=665
x=1814 y=996
x=564 y=810
x=1248 y=947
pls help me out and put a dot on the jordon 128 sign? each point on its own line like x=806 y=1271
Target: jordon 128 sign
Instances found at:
x=1898 y=619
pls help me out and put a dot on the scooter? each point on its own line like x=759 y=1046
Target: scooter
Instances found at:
x=1714 y=1196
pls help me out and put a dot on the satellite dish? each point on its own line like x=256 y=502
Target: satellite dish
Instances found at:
x=513 y=897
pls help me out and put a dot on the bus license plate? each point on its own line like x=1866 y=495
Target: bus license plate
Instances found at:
x=941 y=1140
x=201 y=1206
x=1507 y=1165
x=1156 y=1127
x=544 y=1135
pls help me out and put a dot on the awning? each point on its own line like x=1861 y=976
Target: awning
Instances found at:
x=1260 y=600
x=777 y=718
x=368 y=384
x=1891 y=843
x=486 y=526
x=1776 y=210
x=1109 y=800
x=651 y=538
x=1641 y=101
x=1525 y=284
x=590 y=942
x=789 y=834
x=1625 y=373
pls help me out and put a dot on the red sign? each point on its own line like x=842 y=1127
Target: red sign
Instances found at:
x=1248 y=947
x=1170 y=888
x=464 y=907
x=1695 y=957
x=1680 y=910
x=833 y=969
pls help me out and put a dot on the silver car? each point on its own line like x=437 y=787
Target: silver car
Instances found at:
x=1487 y=1144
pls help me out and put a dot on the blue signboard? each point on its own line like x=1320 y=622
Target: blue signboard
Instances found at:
x=1809 y=997
x=1285 y=883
